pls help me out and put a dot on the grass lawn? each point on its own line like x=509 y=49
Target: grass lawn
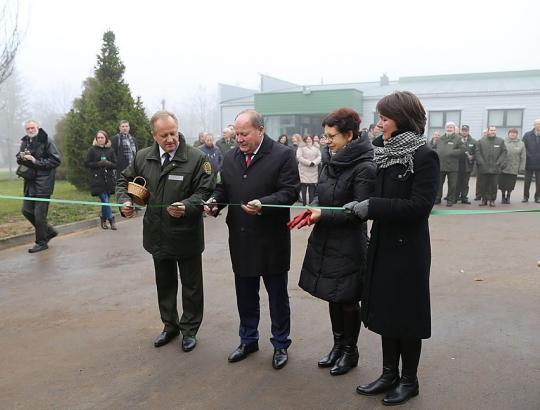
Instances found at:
x=12 y=222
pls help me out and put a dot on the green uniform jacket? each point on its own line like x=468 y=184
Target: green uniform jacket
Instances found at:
x=490 y=155
x=469 y=147
x=450 y=148
x=225 y=146
x=188 y=178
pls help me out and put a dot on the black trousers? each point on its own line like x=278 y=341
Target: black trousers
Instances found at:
x=307 y=188
x=36 y=213
x=527 y=185
x=192 y=293
x=462 y=191
x=247 y=300
x=488 y=186
x=408 y=349
x=452 y=185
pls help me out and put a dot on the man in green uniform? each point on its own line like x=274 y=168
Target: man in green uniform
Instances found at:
x=466 y=162
x=179 y=178
x=450 y=148
x=490 y=156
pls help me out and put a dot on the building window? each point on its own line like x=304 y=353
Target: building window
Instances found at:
x=504 y=120
x=438 y=119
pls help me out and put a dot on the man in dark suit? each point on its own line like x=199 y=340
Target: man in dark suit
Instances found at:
x=258 y=172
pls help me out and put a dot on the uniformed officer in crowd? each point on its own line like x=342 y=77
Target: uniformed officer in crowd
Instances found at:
x=450 y=149
x=179 y=178
x=490 y=157
x=466 y=163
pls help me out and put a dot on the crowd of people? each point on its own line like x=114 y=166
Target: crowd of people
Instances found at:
x=496 y=161
x=388 y=173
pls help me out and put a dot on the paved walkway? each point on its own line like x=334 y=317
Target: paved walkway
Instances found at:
x=77 y=324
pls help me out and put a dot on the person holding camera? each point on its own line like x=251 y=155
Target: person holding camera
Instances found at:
x=101 y=161
x=38 y=158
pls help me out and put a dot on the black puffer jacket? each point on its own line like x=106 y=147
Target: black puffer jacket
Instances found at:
x=336 y=253
x=102 y=164
x=47 y=159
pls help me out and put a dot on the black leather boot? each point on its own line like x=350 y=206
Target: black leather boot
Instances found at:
x=406 y=389
x=508 y=197
x=347 y=360
x=388 y=380
x=112 y=221
x=330 y=359
x=104 y=223
x=349 y=356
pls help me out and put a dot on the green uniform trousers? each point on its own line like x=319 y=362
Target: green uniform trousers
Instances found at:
x=192 y=293
x=452 y=186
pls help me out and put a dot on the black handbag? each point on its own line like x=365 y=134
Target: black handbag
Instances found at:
x=26 y=172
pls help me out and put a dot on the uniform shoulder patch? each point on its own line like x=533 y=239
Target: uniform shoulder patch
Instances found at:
x=207 y=168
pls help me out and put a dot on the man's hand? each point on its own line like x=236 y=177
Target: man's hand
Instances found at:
x=210 y=207
x=127 y=209
x=253 y=207
x=176 y=210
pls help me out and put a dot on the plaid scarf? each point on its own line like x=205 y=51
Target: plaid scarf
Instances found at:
x=399 y=149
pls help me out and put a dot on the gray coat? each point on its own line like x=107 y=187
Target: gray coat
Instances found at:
x=515 y=157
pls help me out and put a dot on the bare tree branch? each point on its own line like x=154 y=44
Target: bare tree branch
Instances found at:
x=10 y=40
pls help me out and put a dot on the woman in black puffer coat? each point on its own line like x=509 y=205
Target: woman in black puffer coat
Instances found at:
x=336 y=252
x=101 y=161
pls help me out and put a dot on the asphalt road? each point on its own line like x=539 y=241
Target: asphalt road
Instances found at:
x=77 y=324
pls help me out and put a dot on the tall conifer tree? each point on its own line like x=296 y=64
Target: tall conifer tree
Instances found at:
x=105 y=101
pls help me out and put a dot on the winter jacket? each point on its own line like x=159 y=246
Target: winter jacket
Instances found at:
x=490 y=155
x=102 y=164
x=396 y=300
x=450 y=149
x=188 y=178
x=335 y=259
x=121 y=161
x=466 y=164
x=47 y=159
x=214 y=156
x=260 y=245
x=532 y=145
x=515 y=157
x=308 y=160
x=225 y=146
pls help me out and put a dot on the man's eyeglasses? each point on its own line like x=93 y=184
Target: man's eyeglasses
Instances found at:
x=331 y=137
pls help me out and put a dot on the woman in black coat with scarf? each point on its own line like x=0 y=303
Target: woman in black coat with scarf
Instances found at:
x=395 y=302
x=101 y=161
x=335 y=257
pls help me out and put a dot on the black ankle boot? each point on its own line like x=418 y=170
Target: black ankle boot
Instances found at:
x=388 y=380
x=104 y=223
x=406 y=389
x=508 y=197
x=347 y=360
x=330 y=359
x=112 y=221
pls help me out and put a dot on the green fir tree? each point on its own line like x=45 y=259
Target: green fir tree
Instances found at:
x=105 y=101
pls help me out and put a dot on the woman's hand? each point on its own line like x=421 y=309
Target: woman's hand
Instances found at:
x=360 y=209
x=315 y=215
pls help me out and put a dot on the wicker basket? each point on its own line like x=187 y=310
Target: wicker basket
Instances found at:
x=138 y=192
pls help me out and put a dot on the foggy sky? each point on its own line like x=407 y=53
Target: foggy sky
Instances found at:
x=171 y=47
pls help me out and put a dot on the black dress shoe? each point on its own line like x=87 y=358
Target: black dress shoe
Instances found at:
x=38 y=248
x=189 y=343
x=280 y=358
x=243 y=351
x=164 y=338
x=465 y=201
x=348 y=360
x=406 y=389
x=388 y=380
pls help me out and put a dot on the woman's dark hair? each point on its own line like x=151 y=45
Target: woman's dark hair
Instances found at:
x=305 y=137
x=344 y=119
x=286 y=139
x=405 y=109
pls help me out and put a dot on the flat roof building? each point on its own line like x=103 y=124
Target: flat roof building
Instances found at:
x=509 y=99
